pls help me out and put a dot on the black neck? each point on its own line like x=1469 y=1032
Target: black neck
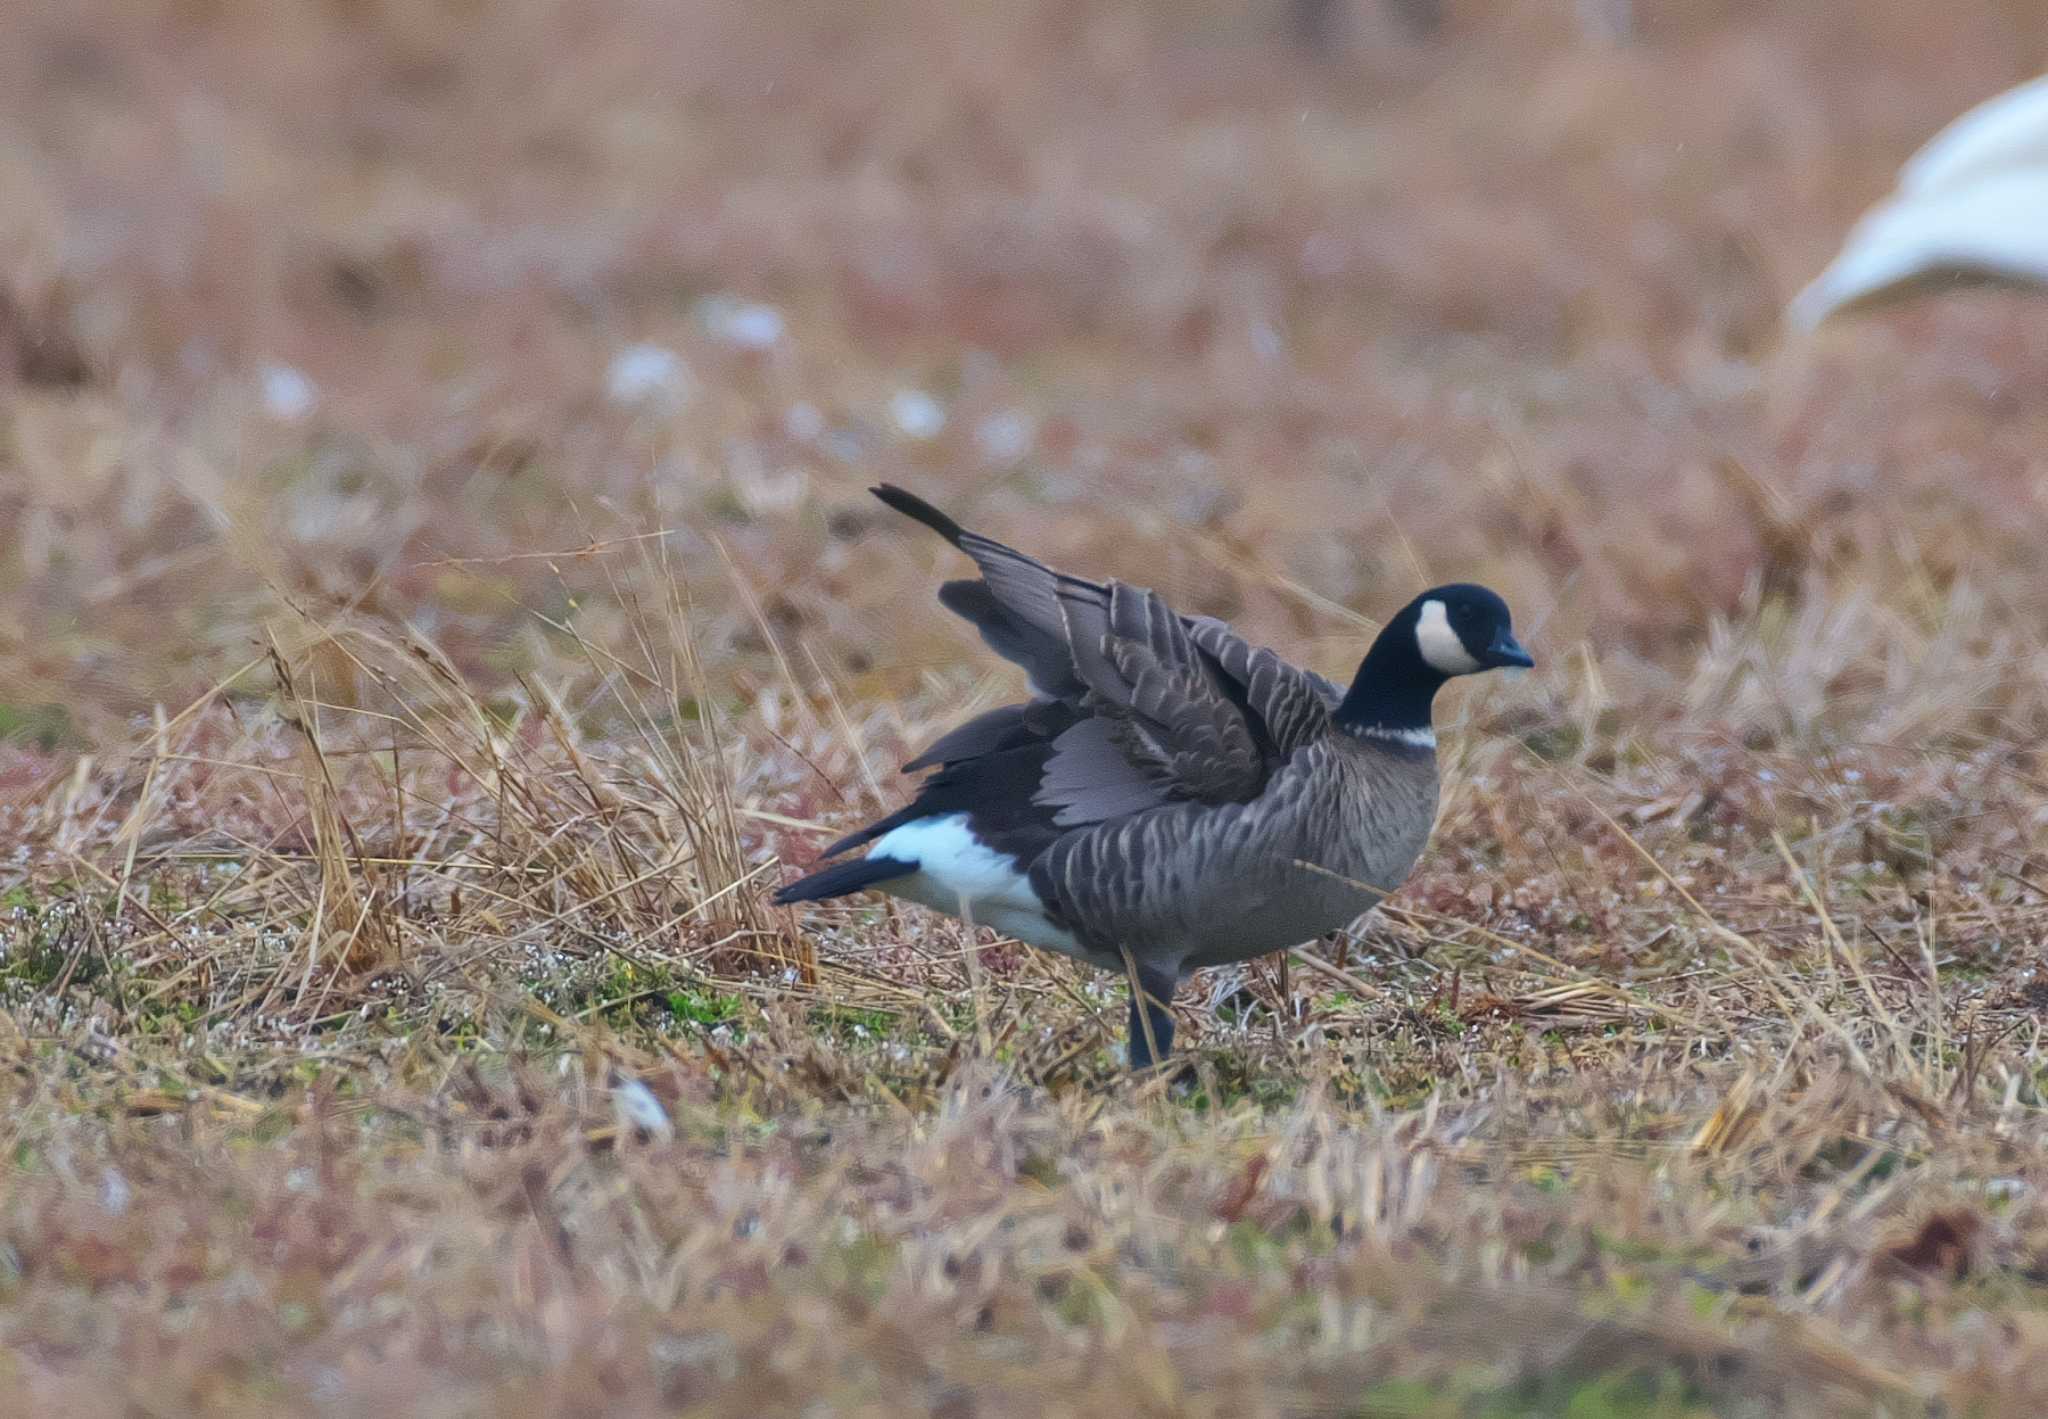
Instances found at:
x=1394 y=687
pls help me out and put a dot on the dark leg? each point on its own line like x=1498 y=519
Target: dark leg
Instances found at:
x=1152 y=994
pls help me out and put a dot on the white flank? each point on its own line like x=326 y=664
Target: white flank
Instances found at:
x=957 y=872
x=1439 y=644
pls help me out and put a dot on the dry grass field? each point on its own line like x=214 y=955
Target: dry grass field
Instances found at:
x=438 y=600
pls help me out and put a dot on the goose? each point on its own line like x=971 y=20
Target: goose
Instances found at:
x=1971 y=207
x=1170 y=797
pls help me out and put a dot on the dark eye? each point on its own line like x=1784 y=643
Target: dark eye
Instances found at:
x=1467 y=614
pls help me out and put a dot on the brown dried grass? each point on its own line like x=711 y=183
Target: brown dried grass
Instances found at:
x=394 y=1020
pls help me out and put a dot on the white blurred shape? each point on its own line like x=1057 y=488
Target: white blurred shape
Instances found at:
x=751 y=325
x=916 y=414
x=647 y=374
x=1972 y=205
x=1004 y=438
x=803 y=422
x=1998 y=135
x=638 y=1108
x=288 y=394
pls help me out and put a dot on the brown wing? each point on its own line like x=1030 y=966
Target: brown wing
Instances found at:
x=1015 y=605
x=1295 y=704
x=1167 y=707
x=1176 y=714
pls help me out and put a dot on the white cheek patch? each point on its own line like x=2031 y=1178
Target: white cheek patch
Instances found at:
x=1439 y=644
x=1413 y=738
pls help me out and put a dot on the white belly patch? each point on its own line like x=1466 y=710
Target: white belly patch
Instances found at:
x=956 y=871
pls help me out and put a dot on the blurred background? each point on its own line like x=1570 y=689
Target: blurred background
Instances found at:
x=431 y=311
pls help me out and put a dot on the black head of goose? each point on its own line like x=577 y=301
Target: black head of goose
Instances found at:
x=1171 y=797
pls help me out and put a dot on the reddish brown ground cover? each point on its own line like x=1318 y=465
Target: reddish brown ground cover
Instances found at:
x=407 y=690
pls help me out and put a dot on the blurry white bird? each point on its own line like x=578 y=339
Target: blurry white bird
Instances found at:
x=1972 y=205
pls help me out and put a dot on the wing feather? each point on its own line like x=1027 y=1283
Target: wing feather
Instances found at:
x=1159 y=707
x=1294 y=703
x=1145 y=673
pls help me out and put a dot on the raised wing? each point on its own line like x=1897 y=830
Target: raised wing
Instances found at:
x=1295 y=704
x=1175 y=713
x=1159 y=707
x=996 y=731
x=1015 y=605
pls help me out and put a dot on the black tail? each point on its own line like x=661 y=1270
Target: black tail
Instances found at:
x=911 y=505
x=843 y=877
